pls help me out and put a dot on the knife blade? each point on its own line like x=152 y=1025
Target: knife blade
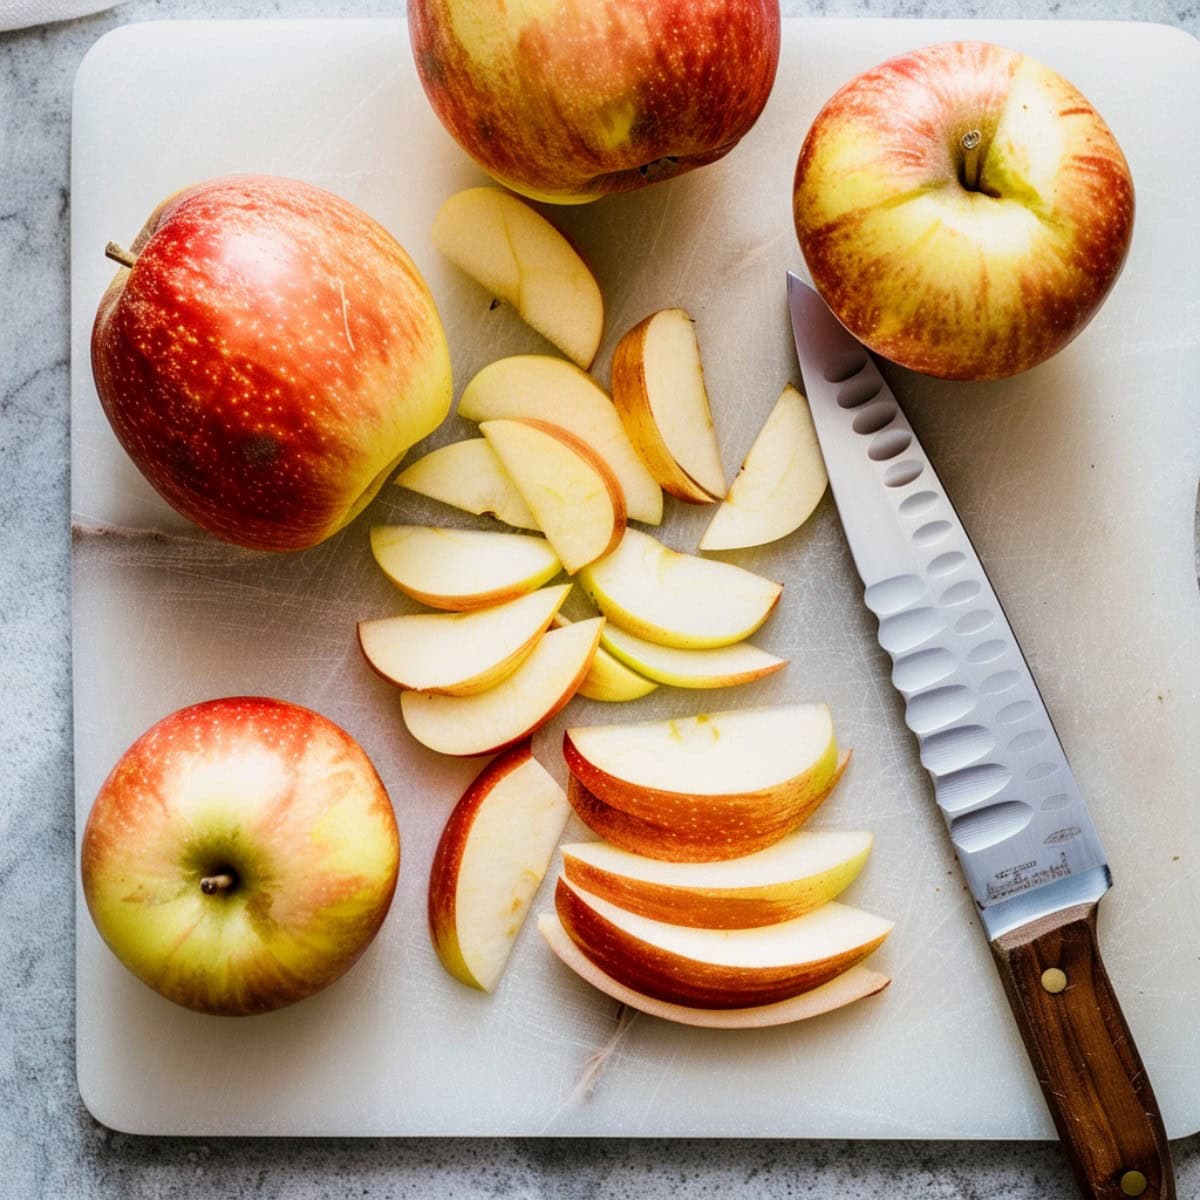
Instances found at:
x=1020 y=827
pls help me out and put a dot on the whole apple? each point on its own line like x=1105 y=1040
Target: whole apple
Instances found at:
x=963 y=210
x=266 y=358
x=241 y=856
x=572 y=100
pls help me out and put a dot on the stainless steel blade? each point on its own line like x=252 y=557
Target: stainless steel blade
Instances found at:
x=1001 y=778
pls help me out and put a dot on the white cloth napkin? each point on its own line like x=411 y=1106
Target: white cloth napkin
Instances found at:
x=17 y=14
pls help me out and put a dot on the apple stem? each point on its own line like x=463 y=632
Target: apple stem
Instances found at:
x=971 y=141
x=210 y=885
x=118 y=255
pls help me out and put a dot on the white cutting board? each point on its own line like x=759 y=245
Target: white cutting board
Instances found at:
x=1078 y=482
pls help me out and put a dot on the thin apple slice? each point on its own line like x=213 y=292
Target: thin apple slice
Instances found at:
x=794 y=876
x=855 y=984
x=490 y=862
x=658 y=388
x=725 y=666
x=461 y=653
x=572 y=494
x=464 y=726
x=552 y=389
x=462 y=569
x=608 y=680
x=468 y=475
x=779 y=485
x=516 y=254
x=719 y=968
x=715 y=835
x=677 y=599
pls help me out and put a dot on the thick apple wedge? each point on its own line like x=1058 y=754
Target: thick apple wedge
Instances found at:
x=461 y=653
x=462 y=569
x=779 y=485
x=658 y=388
x=794 y=876
x=724 y=666
x=516 y=254
x=719 y=968
x=552 y=389
x=464 y=726
x=855 y=984
x=713 y=834
x=490 y=861
x=677 y=599
x=468 y=475
x=574 y=497
x=609 y=680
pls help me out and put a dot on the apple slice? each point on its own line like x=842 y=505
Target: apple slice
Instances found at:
x=468 y=475
x=779 y=485
x=490 y=862
x=516 y=254
x=608 y=680
x=658 y=388
x=719 y=968
x=572 y=494
x=459 y=654
x=534 y=693
x=712 y=836
x=855 y=984
x=794 y=876
x=462 y=569
x=724 y=666
x=677 y=599
x=552 y=389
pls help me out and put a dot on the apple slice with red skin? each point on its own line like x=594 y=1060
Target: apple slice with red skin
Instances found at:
x=459 y=654
x=719 y=968
x=540 y=688
x=797 y=874
x=468 y=475
x=855 y=984
x=490 y=862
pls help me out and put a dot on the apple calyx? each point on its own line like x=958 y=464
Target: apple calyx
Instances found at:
x=120 y=255
x=211 y=885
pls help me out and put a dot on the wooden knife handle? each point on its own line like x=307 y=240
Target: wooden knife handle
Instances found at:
x=1085 y=1058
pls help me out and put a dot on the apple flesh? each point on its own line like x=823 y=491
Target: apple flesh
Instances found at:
x=462 y=569
x=963 y=210
x=468 y=475
x=490 y=862
x=725 y=666
x=540 y=688
x=459 y=654
x=569 y=489
x=779 y=485
x=855 y=984
x=552 y=389
x=794 y=876
x=719 y=968
x=677 y=599
x=570 y=101
x=518 y=256
x=241 y=855
x=268 y=358
x=658 y=388
x=609 y=680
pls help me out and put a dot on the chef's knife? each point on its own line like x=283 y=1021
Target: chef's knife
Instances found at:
x=1018 y=823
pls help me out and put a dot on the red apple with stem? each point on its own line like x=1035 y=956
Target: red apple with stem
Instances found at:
x=241 y=855
x=266 y=354
x=575 y=99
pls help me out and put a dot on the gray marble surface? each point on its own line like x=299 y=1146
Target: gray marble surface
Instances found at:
x=49 y=1145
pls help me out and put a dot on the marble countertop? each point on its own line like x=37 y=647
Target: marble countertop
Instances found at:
x=49 y=1145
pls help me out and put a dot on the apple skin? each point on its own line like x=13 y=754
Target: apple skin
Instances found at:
x=954 y=281
x=569 y=100
x=283 y=800
x=268 y=359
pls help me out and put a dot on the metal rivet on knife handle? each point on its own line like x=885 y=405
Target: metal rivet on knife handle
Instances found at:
x=1055 y=981
x=1133 y=1183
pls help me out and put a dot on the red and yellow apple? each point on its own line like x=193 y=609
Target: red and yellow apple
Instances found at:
x=241 y=855
x=266 y=354
x=568 y=100
x=963 y=209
